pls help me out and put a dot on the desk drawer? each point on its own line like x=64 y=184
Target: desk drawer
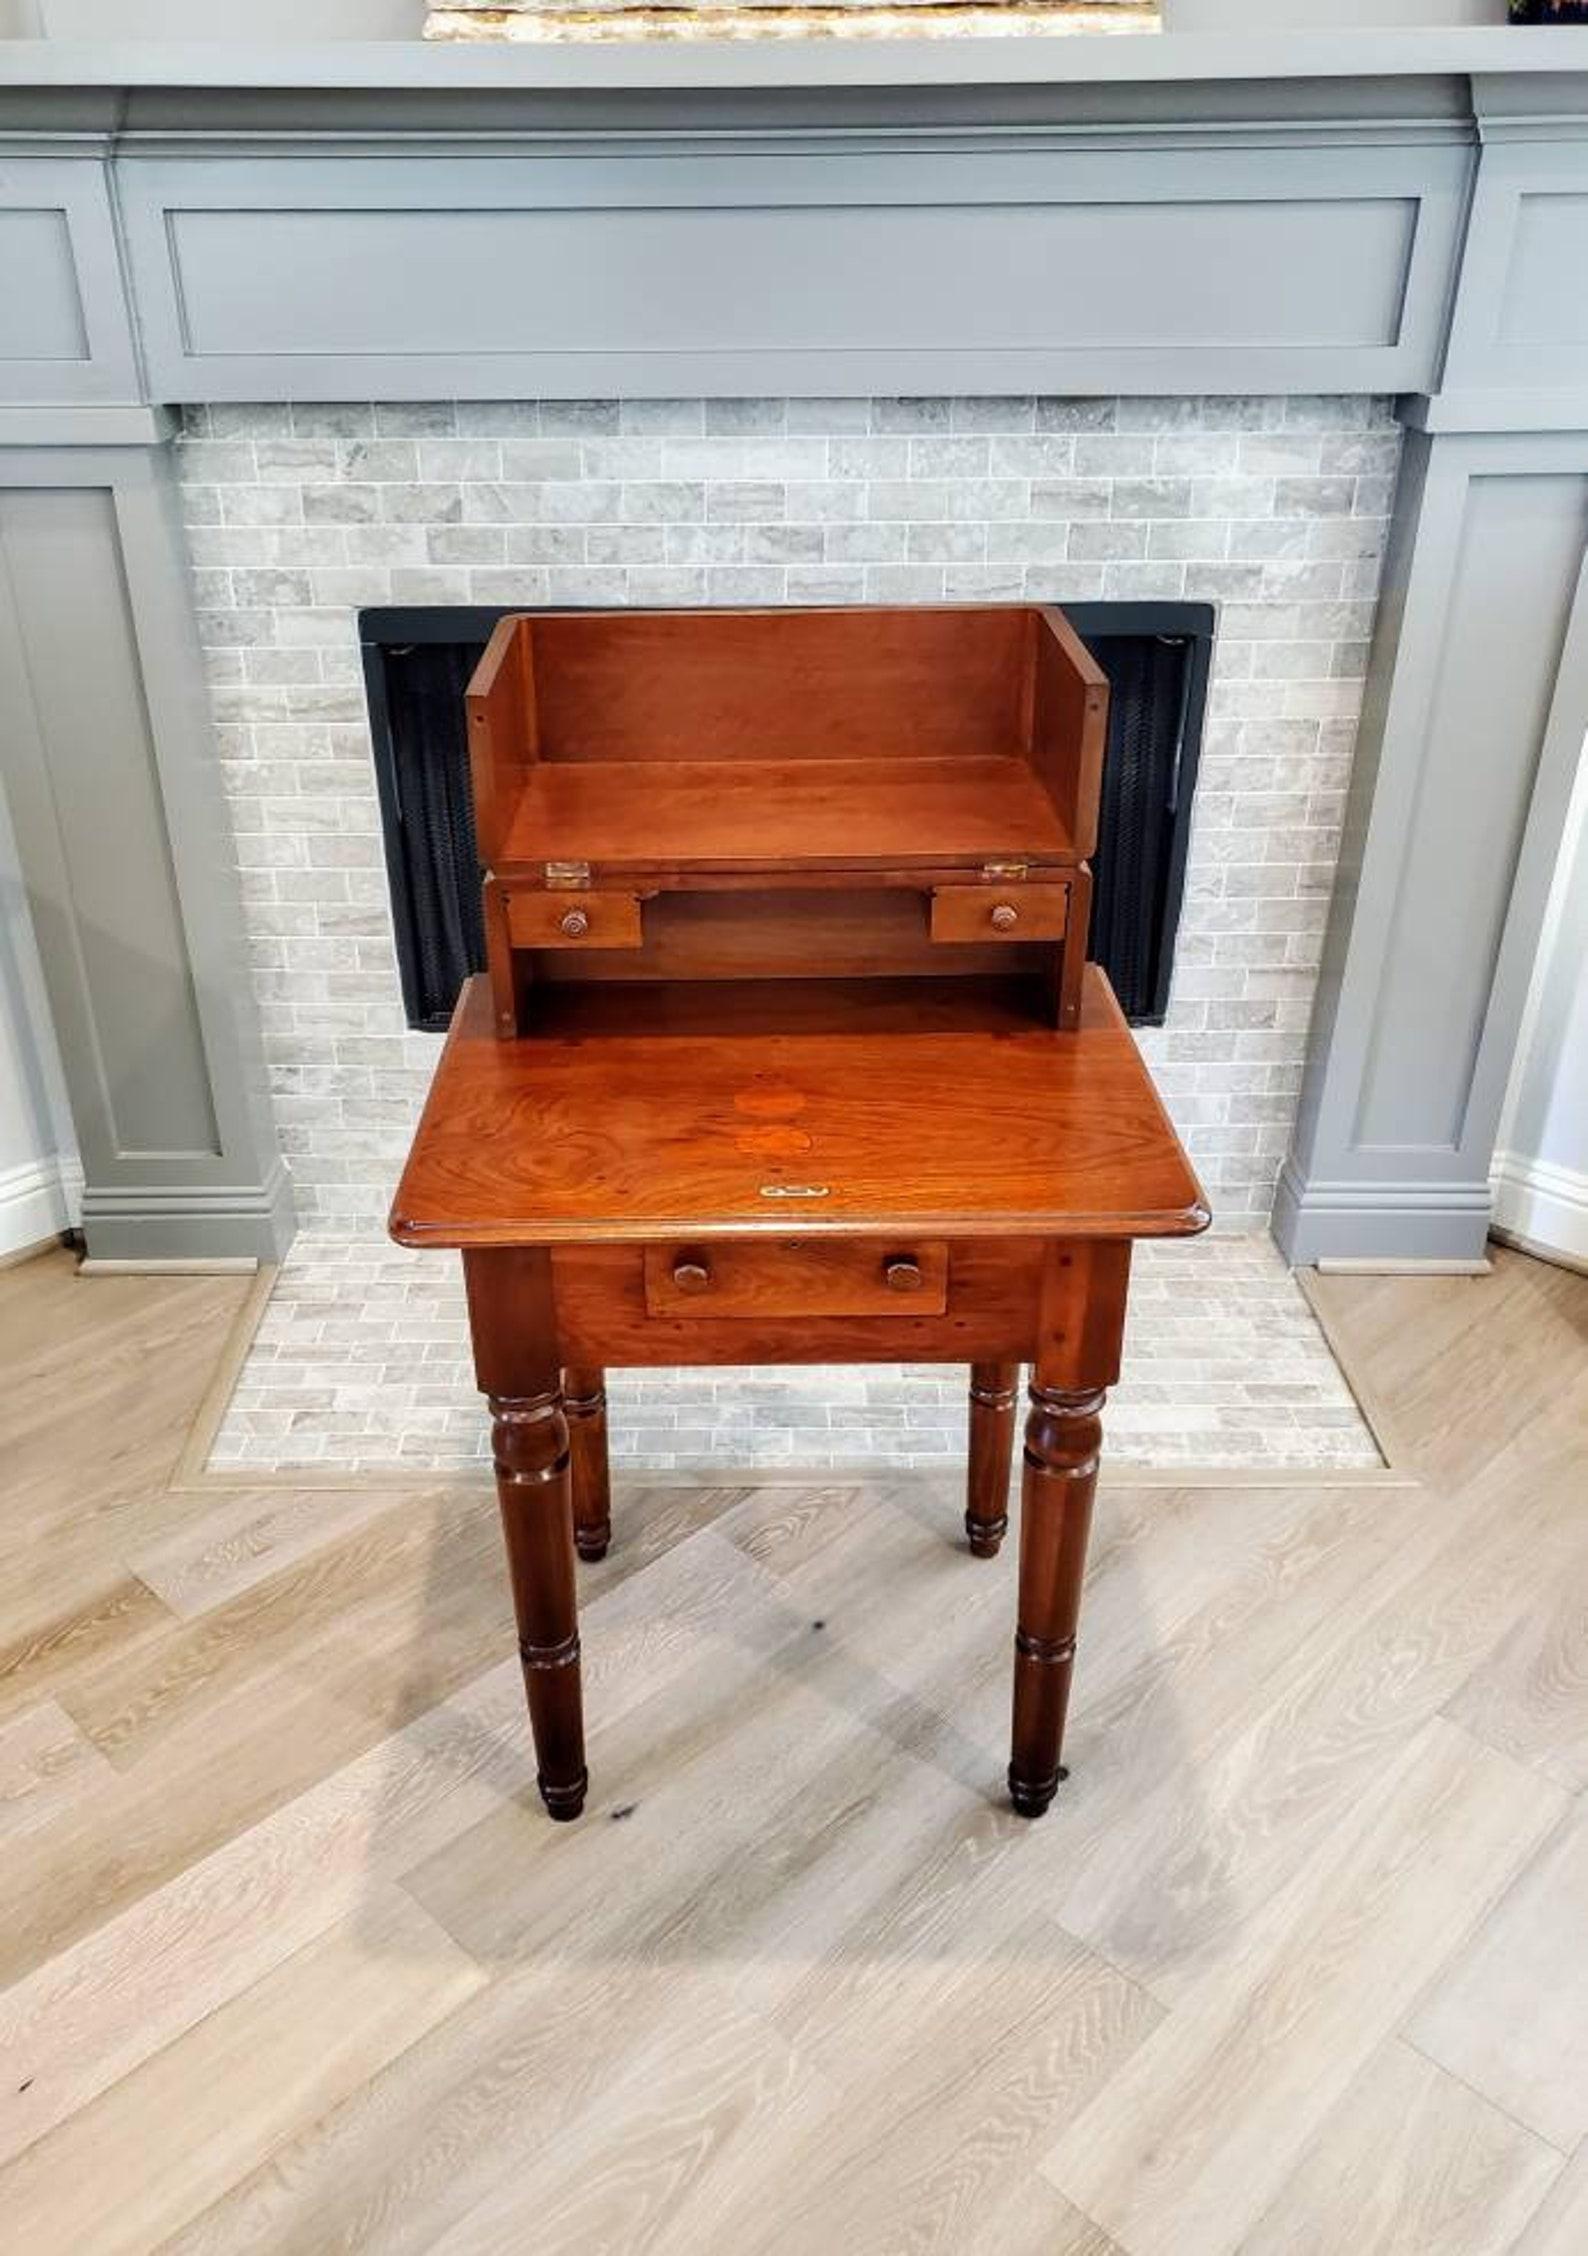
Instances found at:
x=1000 y=912
x=797 y=1277
x=573 y=920
x=992 y=1314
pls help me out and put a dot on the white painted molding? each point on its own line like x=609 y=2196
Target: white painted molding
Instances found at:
x=38 y=1200
x=1541 y=1208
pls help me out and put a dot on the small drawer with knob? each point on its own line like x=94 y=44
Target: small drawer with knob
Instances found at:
x=573 y=920
x=797 y=1277
x=1000 y=912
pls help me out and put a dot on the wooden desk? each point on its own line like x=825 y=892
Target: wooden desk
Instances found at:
x=794 y=1172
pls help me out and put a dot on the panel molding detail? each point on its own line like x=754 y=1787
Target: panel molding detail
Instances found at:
x=66 y=333
x=1474 y=720
x=745 y=269
x=1520 y=322
x=106 y=760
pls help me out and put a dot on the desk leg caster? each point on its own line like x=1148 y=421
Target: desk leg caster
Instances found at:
x=1032 y=1801
x=1064 y=1435
x=564 y=1803
x=993 y=1389
x=584 y=1398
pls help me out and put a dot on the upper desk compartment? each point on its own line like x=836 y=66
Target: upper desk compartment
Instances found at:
x=785 y=794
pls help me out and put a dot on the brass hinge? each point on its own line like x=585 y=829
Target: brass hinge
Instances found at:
x=992 y=872
x=567 y=873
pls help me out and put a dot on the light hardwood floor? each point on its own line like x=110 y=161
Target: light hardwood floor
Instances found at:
x=1298 y=1962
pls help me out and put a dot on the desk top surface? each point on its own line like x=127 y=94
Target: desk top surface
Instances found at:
x=793 y=1109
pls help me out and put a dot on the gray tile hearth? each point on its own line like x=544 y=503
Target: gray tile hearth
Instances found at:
x=361 y=1363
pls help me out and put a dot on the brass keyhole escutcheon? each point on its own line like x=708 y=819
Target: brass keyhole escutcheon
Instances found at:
x=1005 y=917
x=902 y=1273
x=576 y=924
x=691 y=1273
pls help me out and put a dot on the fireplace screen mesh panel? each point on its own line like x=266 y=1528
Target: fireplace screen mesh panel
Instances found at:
x=1158 y=685
x=428 y=811
x=417 y=665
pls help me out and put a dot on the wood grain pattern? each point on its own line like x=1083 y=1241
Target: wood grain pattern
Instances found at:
x=851 y=930
x=1004 y=914
x=260 y=2069
x=576 y=920
x=797 y=1277
x=759 y=814
x=584 y=1401
x=1559 y=2227
x=994 y=1289
x=994 y=1392
x=45 y=1763
x=519 y=1368
x=544 y=1143
x=96 y=2011
x=798 y=1916
x=500 y=706
x=1069 y=725
x=932 y=682
x=1529 y=1698
x=1534 y=2064
x=1410 y=2159
x=1209 y=2115
x=629 y=753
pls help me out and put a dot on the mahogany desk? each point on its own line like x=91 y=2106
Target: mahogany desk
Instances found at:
x=795 y=1173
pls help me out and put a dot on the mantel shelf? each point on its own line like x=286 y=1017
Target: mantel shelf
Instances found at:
x=217 y=65
x=756 y=814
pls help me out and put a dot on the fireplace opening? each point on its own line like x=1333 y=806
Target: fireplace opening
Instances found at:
x=417 y=664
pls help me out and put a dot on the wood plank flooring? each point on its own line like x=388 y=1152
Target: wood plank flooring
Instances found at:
x=292 y=1961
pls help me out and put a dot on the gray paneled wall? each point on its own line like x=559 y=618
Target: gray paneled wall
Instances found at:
x=1013 y=267
x=65 y=326
x=1477 y=706
x=1275 y=236
x=109 y=773
x=71 y=683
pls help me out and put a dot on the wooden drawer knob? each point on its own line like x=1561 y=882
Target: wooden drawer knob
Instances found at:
x=691 y=1273
x=902 y=1273
x=1005 y=917
x=576 y=924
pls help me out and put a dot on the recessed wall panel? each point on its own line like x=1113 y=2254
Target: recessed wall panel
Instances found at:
x=75 y=692
x=1517 y=569
x=41 y=315
x=748 y=269
x=1546 y=290
x=792 y=280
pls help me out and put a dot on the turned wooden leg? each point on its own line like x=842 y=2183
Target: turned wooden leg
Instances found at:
x=529 y=1442
x=1064 y=1434
x=993 y=1389
x=584 y=1398
x=516 y=1361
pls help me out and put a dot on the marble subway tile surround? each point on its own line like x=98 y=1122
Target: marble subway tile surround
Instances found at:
x=1273 y=509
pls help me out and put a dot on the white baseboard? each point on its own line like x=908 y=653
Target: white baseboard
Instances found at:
x=38 y=1200
x=1368 y=1265
x=1541 y=1207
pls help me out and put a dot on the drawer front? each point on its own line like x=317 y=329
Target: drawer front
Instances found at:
x=574 y=920
x=1000 y=912
x=993 y=1315
x=797 y=1277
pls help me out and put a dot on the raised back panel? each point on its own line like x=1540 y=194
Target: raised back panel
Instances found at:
x=781 y=685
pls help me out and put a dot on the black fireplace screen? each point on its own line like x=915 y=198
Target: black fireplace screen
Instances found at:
x=417 y=665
